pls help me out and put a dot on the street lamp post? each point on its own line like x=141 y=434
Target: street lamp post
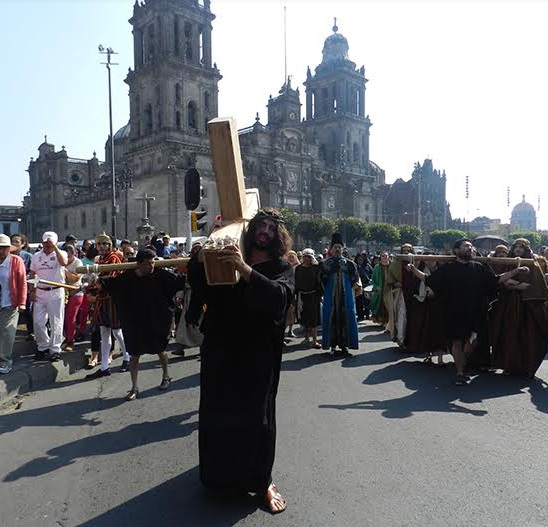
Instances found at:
x=108 y=52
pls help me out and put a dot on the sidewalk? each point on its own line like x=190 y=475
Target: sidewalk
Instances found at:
x=28 y=375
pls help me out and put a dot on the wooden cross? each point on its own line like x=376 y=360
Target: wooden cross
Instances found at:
x=237 y=204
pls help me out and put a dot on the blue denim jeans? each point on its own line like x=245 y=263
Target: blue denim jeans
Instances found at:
x=8 y=328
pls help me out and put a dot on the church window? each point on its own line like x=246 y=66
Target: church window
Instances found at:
x=83 y=219
x=141 y=45
x=322 y=152
x=348 y=139
x=324 y=100
x=148 y=119
x=138 y=128
x=189 y=51
x=104 y=215
x=176 y=37
x=177 y=93
x=137 y=104
x=356 y=153
x=357 y=106
x=201 y=44
x=150 y=43
x=178 y=120
x=207 y=101
x=192 y=114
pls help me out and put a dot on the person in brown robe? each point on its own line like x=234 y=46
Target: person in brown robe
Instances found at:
x=519 y=320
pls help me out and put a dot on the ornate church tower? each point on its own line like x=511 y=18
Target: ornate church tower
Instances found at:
x=173 y=94
x=336 y=122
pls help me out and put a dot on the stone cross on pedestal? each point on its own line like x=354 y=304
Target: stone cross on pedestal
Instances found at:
x=146 y=199
x=145 y=230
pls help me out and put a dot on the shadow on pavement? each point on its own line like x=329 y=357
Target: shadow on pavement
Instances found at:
x=370 y=358
x=64 y=414
x=132 y=436
x=433 y=391
x=316 y=357
x=180 y=501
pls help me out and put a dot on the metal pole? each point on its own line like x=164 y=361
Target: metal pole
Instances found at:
x=114 y=211
x=108 y=52
x=188 y=231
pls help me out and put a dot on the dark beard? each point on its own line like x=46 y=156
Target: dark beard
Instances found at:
x=466 y=257
x=263 y=247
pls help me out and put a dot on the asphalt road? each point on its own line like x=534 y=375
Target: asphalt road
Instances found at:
x=378 y=439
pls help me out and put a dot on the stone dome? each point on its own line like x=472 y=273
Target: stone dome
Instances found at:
x=524 y=216
x=335 y=47
x=523 y=208
x=123 y=133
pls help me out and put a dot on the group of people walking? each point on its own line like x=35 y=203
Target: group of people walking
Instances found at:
x=486 y=314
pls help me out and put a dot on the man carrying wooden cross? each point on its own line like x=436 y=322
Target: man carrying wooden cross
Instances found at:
x=243 y=329
x=464 y=287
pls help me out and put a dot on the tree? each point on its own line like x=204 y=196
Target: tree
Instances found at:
x=291 y=219
x=313 y=230
x=384 y=234
x=410 y=234
x=534 y=238
x=352 y=229
x=445 y=240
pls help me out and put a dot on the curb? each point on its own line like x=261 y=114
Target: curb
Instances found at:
x=28 y=376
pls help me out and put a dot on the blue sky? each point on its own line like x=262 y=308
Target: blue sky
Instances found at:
x=461 y=82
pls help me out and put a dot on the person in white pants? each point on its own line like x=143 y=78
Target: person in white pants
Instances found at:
x=104 y=312
x=49 y=301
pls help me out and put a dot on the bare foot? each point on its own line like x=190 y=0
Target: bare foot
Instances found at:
x=274 y=500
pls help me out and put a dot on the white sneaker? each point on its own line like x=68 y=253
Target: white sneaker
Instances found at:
x=5 y=369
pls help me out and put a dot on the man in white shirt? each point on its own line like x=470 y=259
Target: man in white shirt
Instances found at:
x=49 y=301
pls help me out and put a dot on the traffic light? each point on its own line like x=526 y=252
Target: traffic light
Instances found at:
x=195 y=216
x=192 y=189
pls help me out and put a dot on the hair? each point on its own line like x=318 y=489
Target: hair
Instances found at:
x=144 y=254
x=92 y=252
x=521 y=241
x=282 y=241
x=458 y=243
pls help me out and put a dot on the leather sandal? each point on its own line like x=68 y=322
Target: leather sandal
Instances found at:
x=275 y=502
x=92 y=363
x=132 y=395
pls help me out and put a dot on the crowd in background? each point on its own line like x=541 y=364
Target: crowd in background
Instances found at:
x=379 y=288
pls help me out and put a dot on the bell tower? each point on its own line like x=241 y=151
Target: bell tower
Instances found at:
x=173 y=93
x=173 y=87
x=335 y=106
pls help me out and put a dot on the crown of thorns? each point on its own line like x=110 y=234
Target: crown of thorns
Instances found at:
x=272 y=214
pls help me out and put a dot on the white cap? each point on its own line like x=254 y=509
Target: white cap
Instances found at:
x=50 y=235
x=309 y=252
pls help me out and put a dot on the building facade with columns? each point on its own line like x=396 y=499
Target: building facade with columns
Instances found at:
x=316 y=163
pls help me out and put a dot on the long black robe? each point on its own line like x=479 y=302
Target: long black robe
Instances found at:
x=144 y=306
x=243 y=331
x=464 y=291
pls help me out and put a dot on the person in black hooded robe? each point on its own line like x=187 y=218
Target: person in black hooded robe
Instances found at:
x=243 y=329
